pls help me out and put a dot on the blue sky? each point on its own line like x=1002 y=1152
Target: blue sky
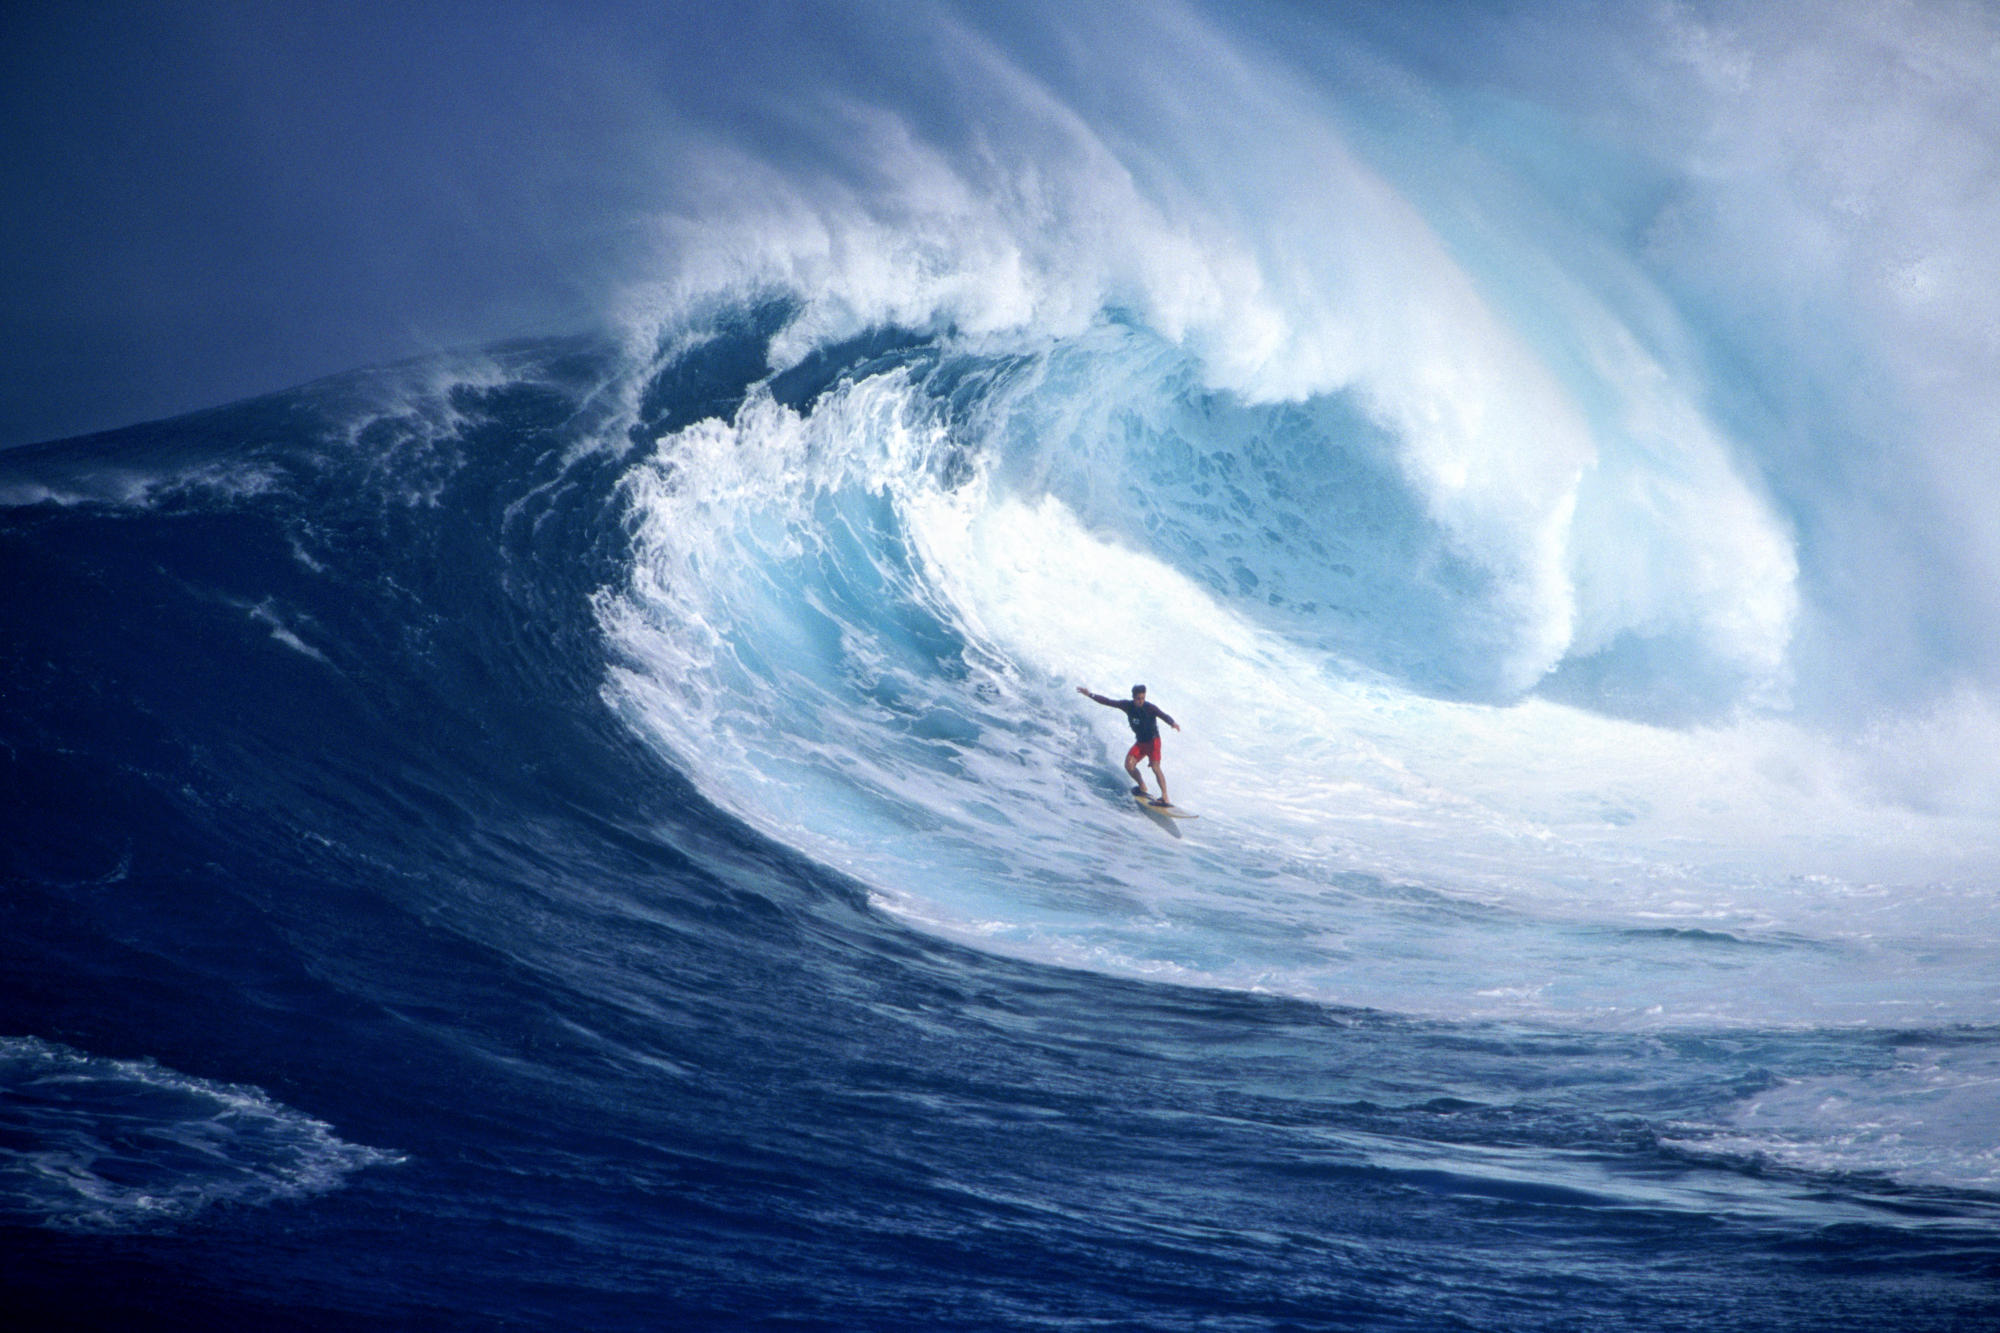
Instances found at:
x=212 y=200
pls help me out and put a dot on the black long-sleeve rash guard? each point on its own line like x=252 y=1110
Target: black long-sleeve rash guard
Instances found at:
x=1145 y=718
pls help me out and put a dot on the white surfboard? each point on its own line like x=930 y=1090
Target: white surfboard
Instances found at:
x=1152 y=807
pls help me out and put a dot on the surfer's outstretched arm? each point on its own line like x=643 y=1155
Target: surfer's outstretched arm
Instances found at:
x=1084 y=690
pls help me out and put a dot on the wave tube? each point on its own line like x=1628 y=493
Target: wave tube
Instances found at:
x=1507 y=650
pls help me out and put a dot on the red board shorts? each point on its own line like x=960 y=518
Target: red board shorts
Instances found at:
x=1145 y=750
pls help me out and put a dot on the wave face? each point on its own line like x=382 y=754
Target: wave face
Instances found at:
x=604 y=828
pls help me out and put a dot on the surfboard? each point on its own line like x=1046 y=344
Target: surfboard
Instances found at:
x=1163 y=811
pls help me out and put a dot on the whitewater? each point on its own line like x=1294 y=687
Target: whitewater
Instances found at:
x=622 y=801
x=1526 y=673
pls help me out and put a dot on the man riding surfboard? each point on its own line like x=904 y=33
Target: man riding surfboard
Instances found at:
x=1145 y=719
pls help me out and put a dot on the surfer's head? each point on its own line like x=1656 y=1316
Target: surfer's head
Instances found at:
x=1138 y=691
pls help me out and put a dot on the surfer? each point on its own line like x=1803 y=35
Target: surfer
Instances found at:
x=1145 y=719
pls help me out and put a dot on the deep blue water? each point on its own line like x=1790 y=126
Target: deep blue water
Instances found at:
x=364 y=968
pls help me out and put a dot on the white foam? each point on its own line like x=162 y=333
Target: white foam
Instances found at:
x=266 y=613
x=1816 y=195
x=95 y=1144
x=1555 y=415
x=1597 y=494
x=80 y=483
x=1924 y=1118
x=1530 y=860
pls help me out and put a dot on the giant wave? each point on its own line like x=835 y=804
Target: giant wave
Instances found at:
x=1443 y=513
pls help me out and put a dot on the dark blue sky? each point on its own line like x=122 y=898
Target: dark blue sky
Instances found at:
x=210 y=200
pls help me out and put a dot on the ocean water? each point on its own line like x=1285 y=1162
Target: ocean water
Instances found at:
x=599 y=831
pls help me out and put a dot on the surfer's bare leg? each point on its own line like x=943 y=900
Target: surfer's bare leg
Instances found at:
x=1132 y=772
x=1161 y=778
